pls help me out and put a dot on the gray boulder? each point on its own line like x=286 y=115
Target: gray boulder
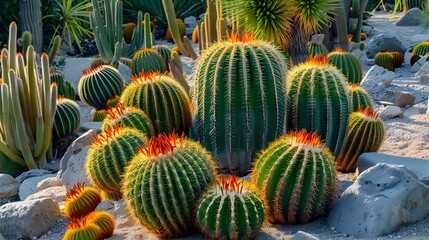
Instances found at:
x=300 y=235
x=49 y=182
x=377 y=78
x=29 y=186
x=57 y=194
x=419 y=64
x=400 y=98
x=390 y=112
x=31 y=173
x=9 y=186
x=389 y=40
x=411 y=18
x=382 y=199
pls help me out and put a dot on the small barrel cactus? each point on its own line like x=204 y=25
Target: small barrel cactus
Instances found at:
x=147 y=60
x=64 y=87
x=79 y=229
x=67 y=118
x=128 y=31
x=99 y=84
x=296 y=175
x=80 y=201
x=163 y=183
x=359 y=98
x=109 y=154
x=319 y=101
x=230 y=210
x=98 y=115
x=348 y=64
x=163 y=99
x=165 y=52
x=316 y=48
x=363 y=36
x=130 y=117
x=398 y=59
x=366 y=134
x=182 y=30
x=96 y=62
x=385 y=59
x=104 y=221
x=421 y=49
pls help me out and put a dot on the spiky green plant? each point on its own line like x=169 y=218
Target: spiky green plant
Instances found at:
x=398 y=59
x=421 y=49
x=315 y=49
x=64 y=87
x=348 y=64
x=230 y=210
x=79 y=229
x=96 y=62
x=162 y=99
x=147 y=60
x=80 y=201
x=104 y=221
x=163 y=182
x=99 y=84
x=358 y=98
x=319 y=102
x=296 y=176
x=67 y=118
x=239 y=98
x=130 y=117
x=385 y=59
x=98 y=115
x=165 y=52
x=366 y=134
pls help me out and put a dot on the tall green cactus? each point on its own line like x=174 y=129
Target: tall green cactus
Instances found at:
x=147 y=60
x=230 y=210
x=296 y=176
x=239 y=95
x=67 y=118
x=385 y=59
x=348 y=64
x=64 y=87
x=358 y=98
x=163 y=183
x=30 y=14
x=318 y=101
x=366 y=134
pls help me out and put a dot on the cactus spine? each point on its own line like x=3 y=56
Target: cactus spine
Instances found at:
x=67 y=118
x=104 y=221
x=163 y=183
x=366 y=134
x=348 y=64
x=296 y=175
x=385 y=59
x=147 y=60
x=316 y=48
x=98 y=115
x=64 y=87
x=30 y=13
x=358 y=98
x=239 y=97
x=109 y=154
x=318 y=101
x=80 y=201
x=230 y=210
x=79 y=229
x=421 y=49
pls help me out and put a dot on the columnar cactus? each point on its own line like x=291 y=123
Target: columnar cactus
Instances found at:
x=80 y=201
x=104 y=221
x=99 y=84
x=30 y=13
x=398 y=59
x=239 y=95
x=348 y=64
x=421 y=49
x=366 y=134
x=163 y=182
x=109 y=154
x=385 y=59
x=130 y=117
x=318 y=101
x=162 y=99
x=147 y=60
x=296 y=176
x=67 y=118
x=128 y=31
x=79 y=229
x=316 y=48
x=358 y=98
x=230 y=210
x=64 y=87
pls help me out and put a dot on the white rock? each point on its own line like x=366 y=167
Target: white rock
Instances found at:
x=390 y=112
x=377 y=78
x=29 y=186
x=31 y=173
x=28 y=219
x=49 y=182
x=9 y=186
x=57 y=193
x=389 y=40
x=423 y=73
x=300 y=235
x=418 y=65
x=383 y=198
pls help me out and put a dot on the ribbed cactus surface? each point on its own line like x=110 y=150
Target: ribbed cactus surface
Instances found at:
x=296 y=176
x=358 y=98
x=80 y=201
x=385 y=59
x=366 y=134
x=104 y=221
x=80 y=229
x=99 y=84
x=162 y=99
x=96 y=62
x=109 y=154
x=64 y=87
x=147 y=60
x=398 y=59
x=165 y=52
x=316 y=48
x=348 y=64
x=230 y=210
x=98 y=115
x=319 y=102
x=163 y=183
x=67 y=118
x=239 y=98
x=421 y=49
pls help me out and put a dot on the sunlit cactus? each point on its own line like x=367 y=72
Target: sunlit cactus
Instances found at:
x=359 y=98
x=348 y=64
x=104 y=221
x=385 y=59
x=147 y=60
x=80 y=229
x=67 y=118
x=80 y=201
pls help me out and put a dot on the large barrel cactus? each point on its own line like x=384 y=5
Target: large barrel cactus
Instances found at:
x=318 y=101
x=67 y=118
x=240 y=100
x=348 y=64
x=366 y=134
x=230 y=209
x=147 y=60
x=296 y=175
x=163 y=182
x=359 y=98
x=162 y=99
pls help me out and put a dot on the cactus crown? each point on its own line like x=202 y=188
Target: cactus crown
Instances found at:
x=368 y=113
x=318 y=60
x=340 y=50
x=162 y=145
x=117 y=112
x=106 y=136
x=75 y=192
x=305 y=139
x=92 y=70
x=145 y=77
x=77 y=223
x=230 y=186
x=244 y=38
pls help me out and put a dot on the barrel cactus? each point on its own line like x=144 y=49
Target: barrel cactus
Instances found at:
x=163 y=182
x=98 y=115
x=348 y=64
x=130 y=117
x=358 y=98
x=421 y=49
x=67 y=118
x=109 y=154
x=104 y=221
x=318 y=101
x=366 y=134
x=230 y=210
x=316 y=48
x=296 y=176
x=99 y=84
x=363 y=36
x=182 y=30
x=239 y=95
x=79 y=229
x=64 y=87
x=128 y=31
x=147 y=60
x=96 y=62
x=398 y=59
x=385 y=59
x=165 y=52
x=80 y=201
x=162 y=99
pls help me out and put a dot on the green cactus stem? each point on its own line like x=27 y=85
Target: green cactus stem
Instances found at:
x=385 y=59
x=80 y=201
x=147 y=60
x=64 y=87
x=315 y=48
x=67 y=118
x=348 y=64
x=359 y=98
x=104 y=220
x=79 y=229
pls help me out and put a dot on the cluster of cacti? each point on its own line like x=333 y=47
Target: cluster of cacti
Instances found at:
x=162 y=99
x=67 y=118
x=230 y=210
x=365 y=134
x=348 y=64
x=182 y=30
x=147 y=60
x=98 y=85
x=165 y=52
x=239 y=95
x=385 y=59
x=316 y=48
x=358 y=98
x=80 y=201
x=296 y=176
x=64 y=87
x=318 y=101
x=109 y=154
x=163 y=182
